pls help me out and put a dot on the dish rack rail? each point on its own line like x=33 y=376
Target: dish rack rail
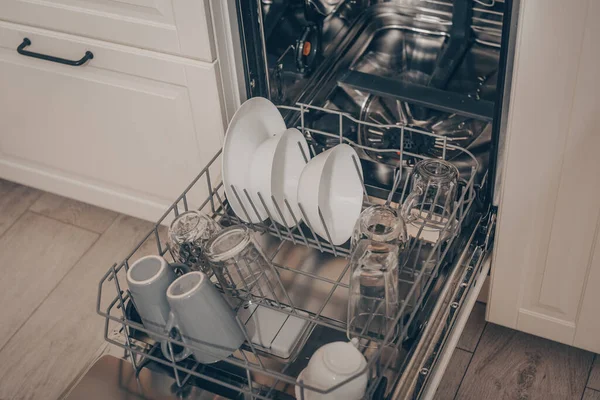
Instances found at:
x=263 y=375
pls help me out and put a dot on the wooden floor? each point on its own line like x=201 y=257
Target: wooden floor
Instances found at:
x=53 y=251
x=494 y=362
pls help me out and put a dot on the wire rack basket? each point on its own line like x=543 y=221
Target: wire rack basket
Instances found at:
x=250 y=372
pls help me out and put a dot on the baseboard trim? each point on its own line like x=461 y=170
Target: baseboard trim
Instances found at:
x=95 y=193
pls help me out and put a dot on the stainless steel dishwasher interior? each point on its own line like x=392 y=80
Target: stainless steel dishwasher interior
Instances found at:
x=389 y=41
x=398 y=41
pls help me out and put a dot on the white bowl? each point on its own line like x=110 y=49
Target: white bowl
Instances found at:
x=330 y=182
x=275 y=171
x=254 y=122
x=330 y=365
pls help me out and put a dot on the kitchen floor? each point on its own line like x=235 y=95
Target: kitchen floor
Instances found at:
x=53 y=251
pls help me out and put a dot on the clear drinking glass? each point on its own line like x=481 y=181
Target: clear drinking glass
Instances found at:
x=429 y=208
x=380 y=223
x=188 y=234
x=373 y=302
x=241 y=267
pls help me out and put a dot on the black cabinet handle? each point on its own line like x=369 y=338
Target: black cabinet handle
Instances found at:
x=26 y=42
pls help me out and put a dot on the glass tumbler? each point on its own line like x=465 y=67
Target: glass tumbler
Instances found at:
x=188 y=234
x=429 y=209
x=380 y=223
x=241 y=267
x=373 y=301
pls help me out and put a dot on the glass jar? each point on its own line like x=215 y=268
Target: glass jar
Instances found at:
x=241 y=267
x=429 y=210
x=380 y=223
x=373 y=300
x=188 y=234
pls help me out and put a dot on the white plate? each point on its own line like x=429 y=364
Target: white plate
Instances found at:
x=254 y=122
x=275 y=173
x=330 y=182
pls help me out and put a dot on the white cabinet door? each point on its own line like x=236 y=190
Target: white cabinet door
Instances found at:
x=587 y=334
x=127 y=131
x=180 y=27
x=551 y=193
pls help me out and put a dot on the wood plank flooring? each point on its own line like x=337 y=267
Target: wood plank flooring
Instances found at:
x=594 y=381
x=69 y=313
x=514 y=365
x=454 y=375
x=494 y=362
x=591 y=394
x=74 y=212
x=53 y=251
x=15 y=199
x=35 y=254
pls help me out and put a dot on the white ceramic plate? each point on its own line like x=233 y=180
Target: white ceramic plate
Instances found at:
x=275 y=173
x=330 y=182
x=255 y=121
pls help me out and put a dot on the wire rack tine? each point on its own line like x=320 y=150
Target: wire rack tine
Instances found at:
x=302 y=129
x=285 y=223
x=304 y=156
x=360 y=177
x=310 y=227
x=341 y=130
x=326 y=231
x=237 y=196
x=122 y=305
x=296 y=221
x=397 y=179
x=273 y=225
x=222 y=205
x=210 y=190
x=312 y=148
x=258 y=216
x=185 y=203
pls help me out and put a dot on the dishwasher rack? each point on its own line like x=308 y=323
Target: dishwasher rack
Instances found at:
x=249 y=370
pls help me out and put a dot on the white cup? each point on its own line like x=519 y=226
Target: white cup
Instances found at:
x=331 y=364
x=203 y=318
x=148 y=279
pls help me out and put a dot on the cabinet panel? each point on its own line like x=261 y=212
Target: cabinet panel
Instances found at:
x=134 y=125
x=551 y=198
x=587 y=335
x=586 y=119
x=173 y=26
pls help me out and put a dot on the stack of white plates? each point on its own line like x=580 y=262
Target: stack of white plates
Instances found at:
x=266 y=175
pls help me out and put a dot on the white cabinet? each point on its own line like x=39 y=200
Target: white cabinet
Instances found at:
x=180 y=27
x=128 y=130
x=546 y=272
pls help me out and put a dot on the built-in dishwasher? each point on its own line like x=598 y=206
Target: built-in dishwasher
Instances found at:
x=400 y=81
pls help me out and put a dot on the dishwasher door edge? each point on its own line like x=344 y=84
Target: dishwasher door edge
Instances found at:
x=447 y=321
x=452 y=340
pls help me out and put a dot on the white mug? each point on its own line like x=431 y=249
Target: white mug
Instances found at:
x=148 y=279
x=331 y=364
x=203 y=318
